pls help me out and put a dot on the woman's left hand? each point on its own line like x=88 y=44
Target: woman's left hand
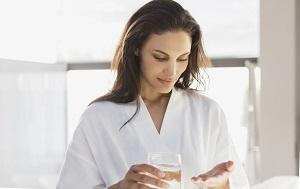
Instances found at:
x=217 y=177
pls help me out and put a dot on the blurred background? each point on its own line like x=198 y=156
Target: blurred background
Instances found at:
x=55 y=58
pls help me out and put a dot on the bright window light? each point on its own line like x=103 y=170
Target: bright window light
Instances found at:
x=51 y=31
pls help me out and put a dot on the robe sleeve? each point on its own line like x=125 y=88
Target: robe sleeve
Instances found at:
x=225 y=151
x=79 y=170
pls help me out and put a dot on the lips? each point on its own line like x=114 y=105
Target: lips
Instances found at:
x=165 y=81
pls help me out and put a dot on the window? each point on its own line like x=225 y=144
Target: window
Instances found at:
x=32 y=124
x=230 y=88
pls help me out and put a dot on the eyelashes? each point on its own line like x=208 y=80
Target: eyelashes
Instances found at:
x=165 y=59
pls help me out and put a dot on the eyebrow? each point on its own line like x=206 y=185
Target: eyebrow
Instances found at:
x=156 y=50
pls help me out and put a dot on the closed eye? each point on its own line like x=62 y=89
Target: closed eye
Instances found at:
x=182 y=60
x=160 y=59
x=165 y=59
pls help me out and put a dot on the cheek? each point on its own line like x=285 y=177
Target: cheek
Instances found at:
x=182 y=68
x=150 y=67
x=146 y=61
x=145 y=64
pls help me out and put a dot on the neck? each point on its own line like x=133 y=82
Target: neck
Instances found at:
x=152 y=97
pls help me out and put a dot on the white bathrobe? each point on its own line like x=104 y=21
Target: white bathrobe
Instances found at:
x=194 y=126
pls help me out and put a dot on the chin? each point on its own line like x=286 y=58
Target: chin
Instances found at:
x=165 y=90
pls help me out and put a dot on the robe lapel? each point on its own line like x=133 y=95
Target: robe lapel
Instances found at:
x=145 y=128
x=172 y=124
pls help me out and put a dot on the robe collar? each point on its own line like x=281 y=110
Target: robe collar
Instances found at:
x=144 y=125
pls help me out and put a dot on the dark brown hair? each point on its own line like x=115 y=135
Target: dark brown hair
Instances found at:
x=155 y=17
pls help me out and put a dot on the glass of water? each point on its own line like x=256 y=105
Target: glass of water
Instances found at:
x=170 y=164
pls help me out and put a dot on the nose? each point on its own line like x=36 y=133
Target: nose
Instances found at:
x=170 y=69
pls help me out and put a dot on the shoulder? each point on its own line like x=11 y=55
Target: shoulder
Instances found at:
x=105 y=114
x=102 y=107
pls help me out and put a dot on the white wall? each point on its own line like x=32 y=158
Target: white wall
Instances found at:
x=32 y=123
x=278 y=60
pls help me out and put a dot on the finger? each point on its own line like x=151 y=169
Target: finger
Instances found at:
x=149 y=169
x=205 y=177
x=170 y=175
x=141 y=186
x=145 y=179
x=229 y=165
x=211 y=181
x=135 y=185
x=200 y=178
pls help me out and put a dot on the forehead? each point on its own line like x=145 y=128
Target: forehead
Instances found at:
x=169 y=42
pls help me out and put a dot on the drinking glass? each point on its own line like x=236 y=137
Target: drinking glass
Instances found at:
x=170 y=164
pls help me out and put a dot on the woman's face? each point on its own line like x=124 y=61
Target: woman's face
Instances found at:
x=163 y=58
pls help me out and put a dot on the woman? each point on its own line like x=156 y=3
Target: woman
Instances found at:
x=151 y=108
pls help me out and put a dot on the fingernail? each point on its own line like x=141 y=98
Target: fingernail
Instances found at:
x=229 y=164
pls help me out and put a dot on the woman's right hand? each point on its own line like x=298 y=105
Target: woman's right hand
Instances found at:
x=138 y=176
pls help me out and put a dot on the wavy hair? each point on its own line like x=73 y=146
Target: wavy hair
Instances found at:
x=155 y=17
